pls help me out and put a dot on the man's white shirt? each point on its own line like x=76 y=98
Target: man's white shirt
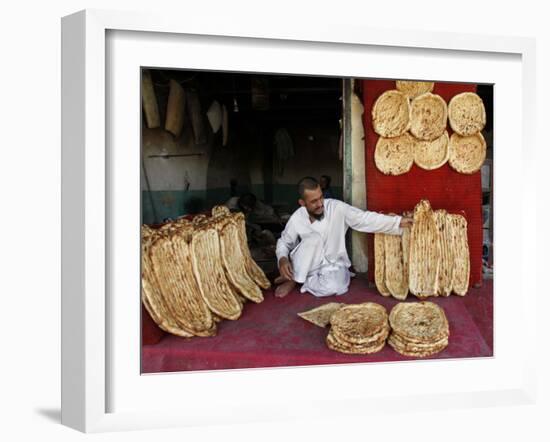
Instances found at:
x=317 y=249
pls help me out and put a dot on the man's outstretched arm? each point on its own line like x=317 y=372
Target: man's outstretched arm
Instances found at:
x=373 y=222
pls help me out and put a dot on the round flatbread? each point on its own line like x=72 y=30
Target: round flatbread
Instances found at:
x=391 y=114
x=467 y=114
x=413 y=351
x=415 y=345
x=320 y=316
x=428 y=116
x=371 y=340
x=358 y=323
x=467 y=154
x=394 y=156
x=430 y=155
x=413 y=89
x=336 y=345
x=419 y=321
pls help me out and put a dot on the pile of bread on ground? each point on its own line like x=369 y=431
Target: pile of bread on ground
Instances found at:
x=412 y=123
x=196 y=273
x=431 y=258
x=416 y=329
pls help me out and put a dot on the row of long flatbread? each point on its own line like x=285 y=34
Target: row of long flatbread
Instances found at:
x=430 y=259
x=196 y=273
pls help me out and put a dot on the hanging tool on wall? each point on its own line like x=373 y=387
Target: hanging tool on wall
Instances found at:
x=214 y=115
x=225 y=125
x=175 y=110
x=149 y=99
x=260 y=93
x=284 y=149
x=193 y=105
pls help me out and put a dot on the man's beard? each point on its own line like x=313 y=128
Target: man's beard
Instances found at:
x=318 y=217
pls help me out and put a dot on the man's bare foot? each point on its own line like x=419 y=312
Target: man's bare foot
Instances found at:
x=284 y=289
x=280 y=279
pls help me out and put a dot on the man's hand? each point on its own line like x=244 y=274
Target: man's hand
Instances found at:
x=285 y=268
x=406 y=222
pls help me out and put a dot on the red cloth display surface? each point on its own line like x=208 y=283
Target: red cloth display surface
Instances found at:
x=150 y=331
x=443 y=187
x=270 y=334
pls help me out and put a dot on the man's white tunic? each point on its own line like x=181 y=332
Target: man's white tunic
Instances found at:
x=317 y=250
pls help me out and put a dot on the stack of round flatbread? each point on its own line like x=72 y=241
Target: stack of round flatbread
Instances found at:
x=358 y=329
x=194 y=273
x=418 y=329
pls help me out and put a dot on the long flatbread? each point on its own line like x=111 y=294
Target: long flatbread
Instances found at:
x=234 y=261
x=208 y=270
x=461 y=274
x=380 y=264
x=255 y=272
x=425 y=252
x=446 y=262
x=151 y=295
x=406 y=248
x=396 y=280
x=172 y=266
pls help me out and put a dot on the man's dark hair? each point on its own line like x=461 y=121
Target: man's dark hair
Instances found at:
x=307 y=183
x=247 y=202
x=327 y=179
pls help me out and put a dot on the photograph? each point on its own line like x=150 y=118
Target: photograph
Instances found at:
x=292 y=221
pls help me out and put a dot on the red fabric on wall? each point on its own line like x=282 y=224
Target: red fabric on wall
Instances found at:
x=443 y=187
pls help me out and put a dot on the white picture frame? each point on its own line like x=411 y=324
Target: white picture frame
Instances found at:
x=92 y=234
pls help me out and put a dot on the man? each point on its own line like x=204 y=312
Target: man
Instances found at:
x=257 y=216
x=312 y=247
x=325 y=186
x=255 y=211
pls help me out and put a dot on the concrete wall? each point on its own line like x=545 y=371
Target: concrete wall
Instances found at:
x=316 y=154
x=175 y=186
